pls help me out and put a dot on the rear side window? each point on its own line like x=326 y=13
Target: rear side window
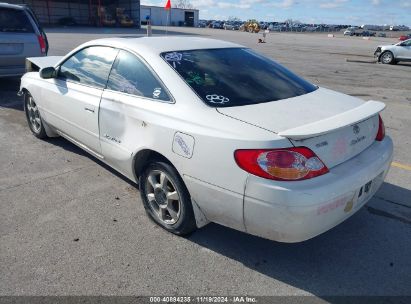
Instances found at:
x=33 y=16
x=130 y=75
x=89 y=66
x=15 y=21
x=235 y=76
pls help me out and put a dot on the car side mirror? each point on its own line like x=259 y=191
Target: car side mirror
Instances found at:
x=47 y=73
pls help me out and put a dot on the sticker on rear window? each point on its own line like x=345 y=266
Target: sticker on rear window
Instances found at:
x=156 y=92
x=214 y=98
x=176 y=58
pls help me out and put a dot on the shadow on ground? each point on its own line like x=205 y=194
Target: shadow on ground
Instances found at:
x=8 y=93
x=68 y=146
x=395 y=195
x=359 y=257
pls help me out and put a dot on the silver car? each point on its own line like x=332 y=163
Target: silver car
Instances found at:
x=20 y=37
x=393 y=53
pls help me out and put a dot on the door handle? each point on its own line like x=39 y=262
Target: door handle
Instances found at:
x=89 y=109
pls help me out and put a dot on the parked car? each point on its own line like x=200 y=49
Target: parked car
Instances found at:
x=216 y=25
x=230 y=26
x=202 y=23
x=404 y=37
x=382 y=35
x=368 y=34
x=365 y=33
x=393 y=53
x=348 y=33
x=399 y=28
x=20 y=37
x=274 y=156
x=263 y=25
x=312 y=28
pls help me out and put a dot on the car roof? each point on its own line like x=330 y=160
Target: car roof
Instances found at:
x=13 y=6
x=162 y=44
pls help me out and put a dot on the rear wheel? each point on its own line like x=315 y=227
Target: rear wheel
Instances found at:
x=33 y=117
x=166 y=198
x=387 y=58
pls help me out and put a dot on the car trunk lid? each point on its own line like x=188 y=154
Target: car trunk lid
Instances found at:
x=335 y=126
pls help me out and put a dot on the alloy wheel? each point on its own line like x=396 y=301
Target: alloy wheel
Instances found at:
x=387 y=57
x=163 y=197
x=33 y=115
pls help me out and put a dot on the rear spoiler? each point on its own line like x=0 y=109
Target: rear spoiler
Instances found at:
x=350 y=117
x=34 y=64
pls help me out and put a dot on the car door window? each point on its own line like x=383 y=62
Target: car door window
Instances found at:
x=130 y=75
x=15 y=21
x=90 y=66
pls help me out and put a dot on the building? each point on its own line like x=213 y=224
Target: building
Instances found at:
x=85 y=12
x=174 y=17
x=107 y=13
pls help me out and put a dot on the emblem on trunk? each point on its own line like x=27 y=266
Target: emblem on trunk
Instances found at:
x=356 y=129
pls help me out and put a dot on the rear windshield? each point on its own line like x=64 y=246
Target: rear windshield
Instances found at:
x=235 y=76
x=16 y=21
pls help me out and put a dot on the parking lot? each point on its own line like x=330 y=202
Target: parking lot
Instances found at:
x=70 y=225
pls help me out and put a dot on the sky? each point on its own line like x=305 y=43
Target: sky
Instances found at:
x=355 y=12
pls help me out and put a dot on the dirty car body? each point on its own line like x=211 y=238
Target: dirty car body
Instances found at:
x=257 y=148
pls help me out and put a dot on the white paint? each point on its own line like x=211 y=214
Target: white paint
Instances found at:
x=335 y=122
x=224 y=193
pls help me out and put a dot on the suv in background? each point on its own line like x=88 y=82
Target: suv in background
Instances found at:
x=393 y=53
x=20 y=37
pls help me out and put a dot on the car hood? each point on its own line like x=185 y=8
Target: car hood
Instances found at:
x=387 y=45
x=281 y=115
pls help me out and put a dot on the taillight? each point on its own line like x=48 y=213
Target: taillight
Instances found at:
x=287 y=164
x=381 y=129
x=42 y=44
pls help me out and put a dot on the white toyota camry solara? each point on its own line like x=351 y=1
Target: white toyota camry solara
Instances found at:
x=213 y=132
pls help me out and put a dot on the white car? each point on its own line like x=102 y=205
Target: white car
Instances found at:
x=393 y=53
x=214 y=132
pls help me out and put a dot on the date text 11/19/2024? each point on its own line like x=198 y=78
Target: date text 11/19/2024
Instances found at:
x=203 y=299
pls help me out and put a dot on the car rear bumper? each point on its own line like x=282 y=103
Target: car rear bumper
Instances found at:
x=12 y=71
x=297 y=211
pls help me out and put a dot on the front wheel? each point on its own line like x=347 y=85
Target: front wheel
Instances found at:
x=166 y=198
x=387 y=58
x=33 y=117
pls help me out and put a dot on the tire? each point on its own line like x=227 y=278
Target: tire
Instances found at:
x=33 y=117
x=166 y=198
x=387 y=58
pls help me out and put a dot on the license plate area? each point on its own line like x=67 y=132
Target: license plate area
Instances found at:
x=11 y=48
x=365 y=190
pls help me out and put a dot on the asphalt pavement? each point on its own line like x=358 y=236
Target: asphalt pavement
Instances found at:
x=70 y=225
